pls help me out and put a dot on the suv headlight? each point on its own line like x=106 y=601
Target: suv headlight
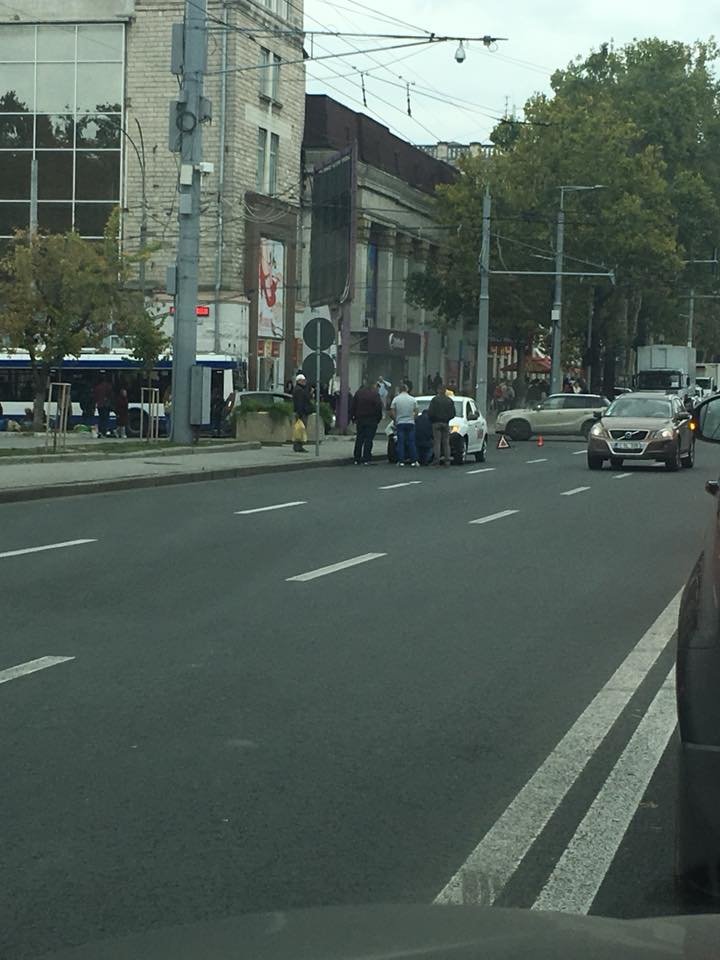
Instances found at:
x=598 y=430
x=665 y=434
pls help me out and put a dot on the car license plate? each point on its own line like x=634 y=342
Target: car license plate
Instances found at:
x=627 y=445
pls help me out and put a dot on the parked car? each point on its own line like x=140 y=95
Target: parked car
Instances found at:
x=643 y=426
x=562 y=414
x=468 y=430
x=697 y=836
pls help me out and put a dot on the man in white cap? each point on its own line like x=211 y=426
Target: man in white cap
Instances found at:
x=302 y=407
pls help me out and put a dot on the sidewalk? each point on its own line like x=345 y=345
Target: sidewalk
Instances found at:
x=28 y=477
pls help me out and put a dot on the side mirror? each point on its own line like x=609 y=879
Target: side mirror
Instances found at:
x=598 y=414
x=707 y=420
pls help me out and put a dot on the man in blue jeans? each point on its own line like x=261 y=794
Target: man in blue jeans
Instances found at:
x=403 y=410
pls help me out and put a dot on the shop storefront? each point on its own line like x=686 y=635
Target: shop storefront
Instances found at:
x=393 y=354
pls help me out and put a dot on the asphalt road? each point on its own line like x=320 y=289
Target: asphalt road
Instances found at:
x=227 y=738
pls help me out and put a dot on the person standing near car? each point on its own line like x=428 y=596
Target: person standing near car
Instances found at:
x=403 y=410
x=302 y=407
x=441 y=411
x=366 y=412
x=122 y=413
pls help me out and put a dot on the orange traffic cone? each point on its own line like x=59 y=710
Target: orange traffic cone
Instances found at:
x=540 y=441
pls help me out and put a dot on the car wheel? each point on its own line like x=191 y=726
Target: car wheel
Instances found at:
x=673 y=462
x=481 y=454
x=688 y=461
x=594 y=463
x=586 y=427
x=518 y=430
x=616 y=462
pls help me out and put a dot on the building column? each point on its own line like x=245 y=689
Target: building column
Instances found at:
x=385 y=278
x=399 y=311
x=358 y=310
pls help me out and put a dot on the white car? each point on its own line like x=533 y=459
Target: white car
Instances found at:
x=468 y=430
x=562 y=414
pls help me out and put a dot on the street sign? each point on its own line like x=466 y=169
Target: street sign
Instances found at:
x=327 y=333
x=327 y=367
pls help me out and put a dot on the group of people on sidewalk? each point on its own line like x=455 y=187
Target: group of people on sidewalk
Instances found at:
x=420 y=438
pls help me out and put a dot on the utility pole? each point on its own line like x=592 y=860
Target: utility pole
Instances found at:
x=484 y=309
x=557 y=301
x=691 y=318
x=187 y=113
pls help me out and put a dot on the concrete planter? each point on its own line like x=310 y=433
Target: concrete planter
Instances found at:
x=263 y=428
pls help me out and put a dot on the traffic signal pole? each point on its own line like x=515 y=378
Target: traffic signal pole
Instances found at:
x=189 y=63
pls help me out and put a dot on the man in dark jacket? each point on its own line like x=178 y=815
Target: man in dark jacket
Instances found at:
x=441 y=411
x=424 y=438
x=301 y=405
x=366 y=413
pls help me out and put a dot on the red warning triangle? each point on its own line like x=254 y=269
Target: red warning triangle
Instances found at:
x=502 y=443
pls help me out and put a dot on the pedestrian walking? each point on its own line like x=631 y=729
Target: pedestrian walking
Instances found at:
x=403 y=410
x=167 y=410
x=302 y=408
x=441 y=412
x=383 y=387
x=102 y=394
x=366 y=412
x=122 y=413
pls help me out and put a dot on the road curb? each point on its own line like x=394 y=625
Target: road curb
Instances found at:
x=58 y=490
x=184 y=451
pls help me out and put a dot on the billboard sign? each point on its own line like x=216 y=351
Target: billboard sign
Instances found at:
x=271 y=289
x=332 y=240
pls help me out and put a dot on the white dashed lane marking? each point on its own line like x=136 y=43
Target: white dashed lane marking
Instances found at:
x=32 y=666
x=334 y=567
x=395 y=486
x=621 y=476
x=49 y=546
x=495 y=516
x=571 y=493
x=275 y=506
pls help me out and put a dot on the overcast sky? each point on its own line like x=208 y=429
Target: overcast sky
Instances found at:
x=542 y=36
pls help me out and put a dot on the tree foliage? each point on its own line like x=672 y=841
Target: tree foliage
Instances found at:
x=643 y=122
x=60 y=294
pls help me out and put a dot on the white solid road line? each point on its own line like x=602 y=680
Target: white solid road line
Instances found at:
x=621 y=476
x=32 y=666
x=49 y=546
x=395 y=486
x=470 y=473
x=571 y=493
x=579 y=453
x=495 y=516
x=275 y=506
x=580 y=871
x=492 y=863
x=334 y=567
x=540 y=460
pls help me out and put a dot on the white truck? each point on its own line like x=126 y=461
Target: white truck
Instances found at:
x=666 y=367
x=707 y=378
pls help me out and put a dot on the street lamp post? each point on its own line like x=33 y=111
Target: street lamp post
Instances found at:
x=556 y=315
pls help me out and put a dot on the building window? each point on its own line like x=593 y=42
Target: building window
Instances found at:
x=261 y=160
x=61 y=96
x=278 y=7
x=269 y=74
x=273 y=164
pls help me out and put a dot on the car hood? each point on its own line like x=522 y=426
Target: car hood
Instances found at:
x=636 y=423
x=515 y=411
x=407 y=932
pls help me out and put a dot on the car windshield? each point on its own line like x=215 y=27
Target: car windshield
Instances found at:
x=629 y=406
x=425 y=403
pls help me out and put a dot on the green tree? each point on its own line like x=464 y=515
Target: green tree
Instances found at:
x=59 y=294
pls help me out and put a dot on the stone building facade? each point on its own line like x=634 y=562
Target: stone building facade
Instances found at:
x=97 y=118
x=396 y=235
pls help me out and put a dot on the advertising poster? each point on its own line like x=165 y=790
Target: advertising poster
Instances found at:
x=271 y=299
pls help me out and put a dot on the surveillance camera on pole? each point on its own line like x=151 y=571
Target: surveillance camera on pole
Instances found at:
x=460 y=52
